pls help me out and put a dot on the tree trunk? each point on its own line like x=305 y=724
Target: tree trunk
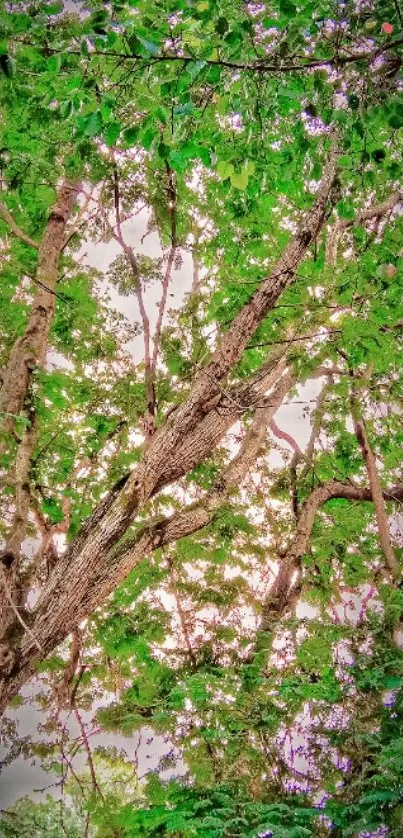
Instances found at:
x=29 y=350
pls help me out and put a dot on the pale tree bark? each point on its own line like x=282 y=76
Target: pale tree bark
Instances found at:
x=80 y=570
x=28 y=352
x=30 y=349
x=376 y=489
x=288 y=577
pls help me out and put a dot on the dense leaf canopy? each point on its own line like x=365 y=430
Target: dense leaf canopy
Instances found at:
x=201 y=317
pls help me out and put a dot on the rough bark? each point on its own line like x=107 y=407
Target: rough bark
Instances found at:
x=66 y=584
x=72 y=607
x=28 y=352
x=161 y=461
x=10 y=557
x=30 y=349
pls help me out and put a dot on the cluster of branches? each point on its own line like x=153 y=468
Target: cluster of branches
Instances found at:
x=104 y=552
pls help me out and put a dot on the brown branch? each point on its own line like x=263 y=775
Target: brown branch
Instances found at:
x=375 y=485
x=181 y=613
x=284 y=585
x=8 y=218
x=9 y=597
x=64 y=688
x=75 y=582
x=316 y=427
x=29 y=350
x=376 y=211
x=260 y=66
x=11 y=556
x=149 y=421
x=78 y=221
x=126 y=555
x=280 y=434
x=172 y=200
x=94 y=782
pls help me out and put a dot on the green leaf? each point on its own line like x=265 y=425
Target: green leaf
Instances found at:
x=54 y=63
x=147 y=137
x=66 y=109
x=112 y=132
x=53 y=510
x=93 y=124
x=225 y=169
x=131 y=135
x=222 y=26
x=396 y=121
x=148 y=46
x=53 y=8
x=240 y=179
x=287 y=8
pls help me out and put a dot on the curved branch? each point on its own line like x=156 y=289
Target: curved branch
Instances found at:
x=280 y=434
x=8 y=218
x=288 y=576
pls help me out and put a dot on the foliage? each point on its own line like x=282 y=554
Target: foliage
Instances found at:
x=199 y=133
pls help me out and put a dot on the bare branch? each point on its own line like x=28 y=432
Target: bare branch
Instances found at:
x=260 y=66
x=280 y=434
x=375 y=485
x=95 y=786
x=287 y=580
x=170 y=263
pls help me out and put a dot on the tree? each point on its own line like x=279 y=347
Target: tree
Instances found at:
x=266 y=144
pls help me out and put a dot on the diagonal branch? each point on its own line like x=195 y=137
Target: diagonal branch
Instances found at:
x=29 y=350
x=286 y=437
x=8 y=218
x=337 y=230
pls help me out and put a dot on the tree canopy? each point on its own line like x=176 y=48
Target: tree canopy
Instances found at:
x=179 y=562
